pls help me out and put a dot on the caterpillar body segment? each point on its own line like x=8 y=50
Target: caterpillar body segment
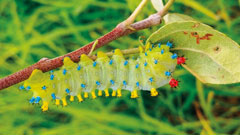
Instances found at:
x=152 y=69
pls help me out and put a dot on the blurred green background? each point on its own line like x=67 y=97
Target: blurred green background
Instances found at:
x=33 y=29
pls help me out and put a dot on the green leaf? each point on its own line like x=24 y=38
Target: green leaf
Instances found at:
x=174 y=17
x=212 y=58
x=157 y=4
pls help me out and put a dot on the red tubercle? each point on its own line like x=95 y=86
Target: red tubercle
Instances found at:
x=181 y=60
x=174 y=83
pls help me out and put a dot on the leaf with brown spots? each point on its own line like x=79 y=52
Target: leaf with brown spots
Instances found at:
x=213 y=58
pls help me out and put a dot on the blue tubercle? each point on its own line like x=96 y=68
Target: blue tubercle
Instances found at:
x=44 y=87
x=37 y=99
x=53 y=96
x=124 y=83
x=155 y=61
x=64 y=71
x=159 y=45
x=21 y=87
x=94 y=64
x=137 y=65
x=152 y=45
x=32 y=100
x=83 y=85
x=151 y=79
x=110 y=62
x=169 y=44
x=51 y=77
x=137 y=83
x=67 y=90
x=145 y=64
x=51 y=71
x=28 y=88
x=162 y=51
x=150 y=49
x=125 y=62
x=79 y=67
x=98 y=83
x=167 y=73
x=112 y=82
x=174 y=56
x=146 y=54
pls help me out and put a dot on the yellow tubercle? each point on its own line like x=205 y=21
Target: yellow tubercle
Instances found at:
x=85 y=95
x=101 y=54
x=85 y=58
x=119 y=93
x=80 y=99
x=44 y=106
x=67 y=61
x=93 y=95
x=114 y=93
x=71 y=98
x=106 y=92
x=134 y=94
x=118 y=52
x=57 y=102
x=154 y=92
x=36 y=79
x=64 y=101
x=99 y=92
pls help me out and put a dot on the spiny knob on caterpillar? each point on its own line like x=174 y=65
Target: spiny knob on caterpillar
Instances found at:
x=152 y=69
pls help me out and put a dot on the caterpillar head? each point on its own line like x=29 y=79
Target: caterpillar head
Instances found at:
x=38 y=84
x=35 y=79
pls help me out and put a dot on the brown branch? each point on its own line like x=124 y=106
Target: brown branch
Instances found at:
x=49 y=64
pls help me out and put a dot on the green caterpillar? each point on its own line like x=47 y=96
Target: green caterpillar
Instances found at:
x=152 y=69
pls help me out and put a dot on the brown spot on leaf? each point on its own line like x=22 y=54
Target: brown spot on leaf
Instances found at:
x=222 y=76
x=217 y=49
x=198 y=38
x=195 y=25
x=206 y=36
x=184 y=32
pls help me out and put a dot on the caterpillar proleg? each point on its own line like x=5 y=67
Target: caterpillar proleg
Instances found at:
x=152 y=69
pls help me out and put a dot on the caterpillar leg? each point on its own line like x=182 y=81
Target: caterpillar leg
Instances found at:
x=134 y=94
x=57 y=102
x=114 y=93
x=119 y=93
x=64 y=101
x=106 y=92
x=71 y=98
x=154 y=92
x=44 y=106
x=85 y=95
x=93 y=94
x=80 y=99
x=99 y=92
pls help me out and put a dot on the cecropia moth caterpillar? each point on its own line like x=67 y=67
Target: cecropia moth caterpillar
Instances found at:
x=152 y=69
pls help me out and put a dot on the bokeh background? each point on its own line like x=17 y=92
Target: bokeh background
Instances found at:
x=33 y=29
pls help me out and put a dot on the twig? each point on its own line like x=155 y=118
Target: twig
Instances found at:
x=166 y=8
x=120 y=30
x=133 y=16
